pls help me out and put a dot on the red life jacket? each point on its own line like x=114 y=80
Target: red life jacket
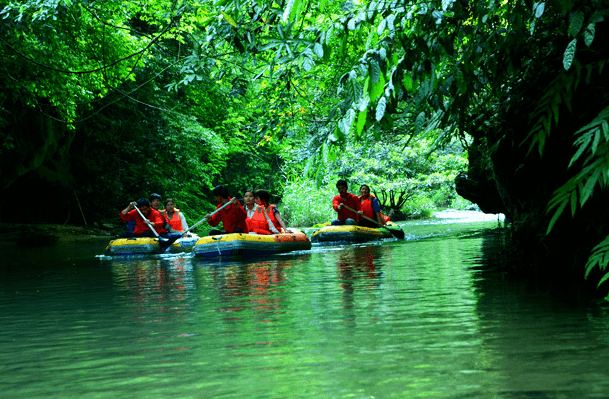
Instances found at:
x=258 y=222
x=176 y=221
x=366 y=207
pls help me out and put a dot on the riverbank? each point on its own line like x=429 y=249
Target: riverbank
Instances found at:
x=42 y=234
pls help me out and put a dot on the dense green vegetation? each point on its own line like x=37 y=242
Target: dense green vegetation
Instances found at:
x=105 y=101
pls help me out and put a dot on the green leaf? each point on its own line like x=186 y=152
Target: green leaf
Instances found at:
x=589 y=34
x=569 y=54
x=375 y=71
x=377 y=89
x=577 y=21
x=228 y=19
x=361 y=122
x=573 y=202
x=322 y=5
x=381 y=27
x=419 y=123
x=539 y=8
x=318 y=49
x=287 y=10
x=557 y=214
x=307 y=64
x=380 y=108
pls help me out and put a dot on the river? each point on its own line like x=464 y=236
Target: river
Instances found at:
x=430 y=316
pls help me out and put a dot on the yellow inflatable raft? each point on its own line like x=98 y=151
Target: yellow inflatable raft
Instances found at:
x=146 y=245
x=349 y=234
x=250 y=245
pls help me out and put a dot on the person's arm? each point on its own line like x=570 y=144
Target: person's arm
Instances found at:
x=124 y=213
x=336 y=204
x=183 y=220
x=279 y=219
x=156 y=221
x=376 y=207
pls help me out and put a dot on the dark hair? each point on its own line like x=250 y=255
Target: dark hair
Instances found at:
x=364 y=185
x=341 y=182
x=220 y=191
x=143 y=202
x=154 y=196
x=169 y=200
x=263 y=195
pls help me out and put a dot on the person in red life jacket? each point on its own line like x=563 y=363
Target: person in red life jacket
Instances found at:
x=266 y=218
x=142 y=229
x=175 y=218
x=370 y=207
x=232 y=217
x=345 y=216
x=249 y=203
x=155 y=203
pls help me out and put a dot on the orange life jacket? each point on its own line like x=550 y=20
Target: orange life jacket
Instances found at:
x=176 y=221
x=366 y=207
x=258 y=222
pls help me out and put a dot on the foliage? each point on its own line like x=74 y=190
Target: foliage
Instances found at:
x=305 y=204
x=397 y=171
x=176 y=97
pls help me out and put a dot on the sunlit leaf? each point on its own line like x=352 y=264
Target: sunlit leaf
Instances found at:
x=569 y=54
x=589 y=34
x=380 y=108
x=228 y=19
x=375 y=71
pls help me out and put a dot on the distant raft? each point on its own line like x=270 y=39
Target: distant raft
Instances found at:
x=250 y=245
x=146 y=245
x=350 y=234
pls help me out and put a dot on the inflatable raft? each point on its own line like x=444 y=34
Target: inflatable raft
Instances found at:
x=146 y=245
x=349 y=234
x=250 y=245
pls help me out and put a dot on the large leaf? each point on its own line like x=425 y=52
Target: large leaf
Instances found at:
x=569 y=54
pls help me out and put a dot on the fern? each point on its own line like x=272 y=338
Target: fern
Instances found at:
x=599 y=257
x=593 y=141
x=547 y=111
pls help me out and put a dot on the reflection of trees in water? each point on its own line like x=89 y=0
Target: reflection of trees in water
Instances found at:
x=536 y=335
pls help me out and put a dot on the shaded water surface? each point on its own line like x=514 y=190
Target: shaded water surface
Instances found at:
x=425 y=317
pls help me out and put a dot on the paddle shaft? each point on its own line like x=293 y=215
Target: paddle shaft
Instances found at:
x=202 y=220
x=397 y=233
x=145 y=221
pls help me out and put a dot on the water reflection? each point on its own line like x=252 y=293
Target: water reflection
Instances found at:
x=412 y=319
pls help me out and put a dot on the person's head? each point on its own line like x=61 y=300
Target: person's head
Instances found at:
x=143 y=205
x=155 y=201
x=169 y=204
x=341 y=185
x=220 y=191
x=364 y=190
x=248 y=197
x=262 y=196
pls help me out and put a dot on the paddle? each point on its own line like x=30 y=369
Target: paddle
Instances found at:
x=166 y=244
x=162 y=240
x=395 y=230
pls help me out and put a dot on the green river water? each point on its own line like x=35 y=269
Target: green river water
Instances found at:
x=425 y=317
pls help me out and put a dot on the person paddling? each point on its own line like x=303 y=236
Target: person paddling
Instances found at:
x=175 y=218
x=232 y=217
x=345 y=216
x=370 y=207
x=152 y=218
